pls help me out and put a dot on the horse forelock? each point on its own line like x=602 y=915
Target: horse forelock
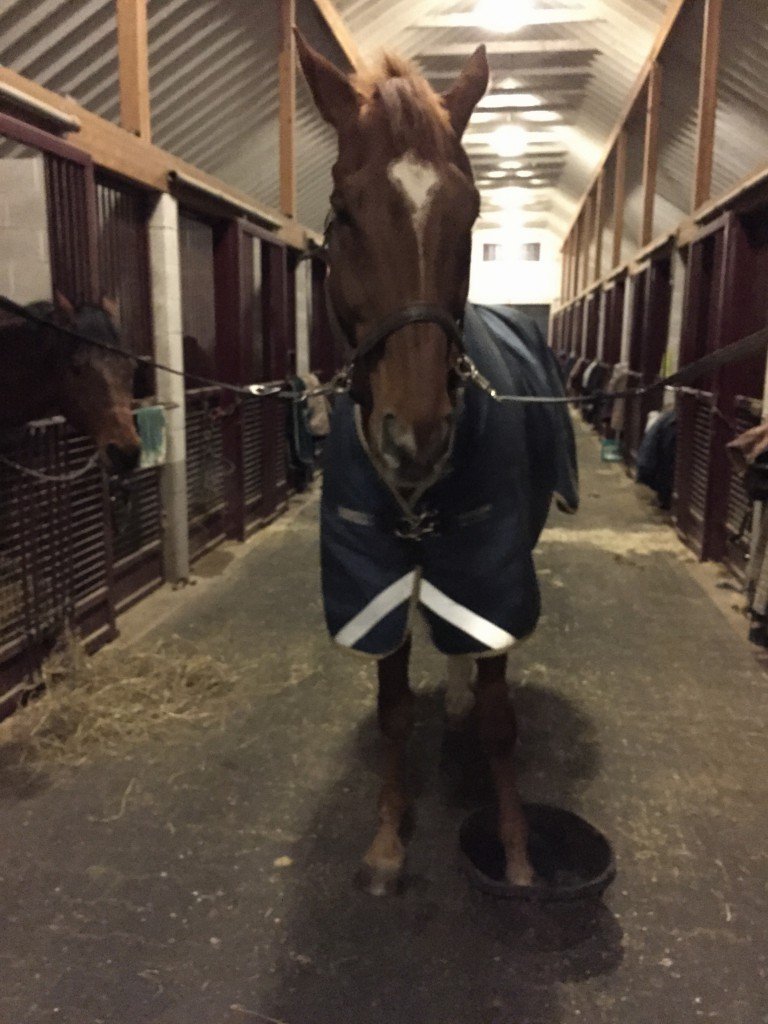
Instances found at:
x=414 y=113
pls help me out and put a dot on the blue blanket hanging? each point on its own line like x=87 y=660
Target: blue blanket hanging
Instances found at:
x=473 y=577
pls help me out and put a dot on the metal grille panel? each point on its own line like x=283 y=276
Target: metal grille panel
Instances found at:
x=54 y=547
x=253 y=450
x=205 y=469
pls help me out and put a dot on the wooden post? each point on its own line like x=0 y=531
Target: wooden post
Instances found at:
x=599 y=222
x=650 y=152
x=133 y=62
x=577 y=233
x=586 y=242
x=563 y=270
x=567 y=261
x=619 y=196
x=287 y=74
x=705 y=136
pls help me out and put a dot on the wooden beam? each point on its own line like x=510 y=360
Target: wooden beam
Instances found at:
x=577 y=235
x=619 y=197
x=497 y=48
x=599 y=225
x=338 y=29
x=287 y=81
x=650 y=153
x=123 y=153
x=133 y=59
x=468 y=19
x=705 y=135
x=668 y=22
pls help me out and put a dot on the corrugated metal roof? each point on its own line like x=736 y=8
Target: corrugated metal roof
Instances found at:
x=213 y=78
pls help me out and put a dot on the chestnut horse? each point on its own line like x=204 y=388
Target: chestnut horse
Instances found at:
x=48 y=372
x=404 y=203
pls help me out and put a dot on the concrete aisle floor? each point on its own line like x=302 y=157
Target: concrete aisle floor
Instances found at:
x=640 y=707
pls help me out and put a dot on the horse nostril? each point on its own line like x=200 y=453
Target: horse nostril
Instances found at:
x=124 y=460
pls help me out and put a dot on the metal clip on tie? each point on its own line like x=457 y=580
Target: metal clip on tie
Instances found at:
x=263 y=390
x=469 y=373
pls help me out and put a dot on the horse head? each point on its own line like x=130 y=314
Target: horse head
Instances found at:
x=404 y=202
x=95 y=388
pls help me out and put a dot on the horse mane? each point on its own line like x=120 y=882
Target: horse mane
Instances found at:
x=415 y=114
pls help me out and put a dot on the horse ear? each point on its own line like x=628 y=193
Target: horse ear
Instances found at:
x=112 y=308
x=62 y=303
x=469 y=87
x=336 y=98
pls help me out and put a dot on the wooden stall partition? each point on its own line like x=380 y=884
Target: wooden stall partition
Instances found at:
x=591 y=324
x=279 y=345
x=206 y=465
x=123 y=267
x=739 y=387
x=697 y=431
x=57 y=560
x=269 y=331
x=324 y=355
x=648 y=341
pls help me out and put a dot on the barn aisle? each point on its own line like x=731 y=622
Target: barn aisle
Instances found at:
x=210 y=882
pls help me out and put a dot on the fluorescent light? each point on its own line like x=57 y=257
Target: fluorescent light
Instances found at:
x=503 y=100
x=540 y=116
x=510 y=165
x=525 y=174
x=496 y=174
x=509 y=140
x=503 y=15
x=478 y=117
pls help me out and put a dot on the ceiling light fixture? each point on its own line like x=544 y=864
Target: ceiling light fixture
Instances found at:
x=503 y=15
x=509 y=140
x=540 y=116
x=502 y=100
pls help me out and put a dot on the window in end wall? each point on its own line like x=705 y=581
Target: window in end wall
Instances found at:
x=530 y=252
x=491 y=252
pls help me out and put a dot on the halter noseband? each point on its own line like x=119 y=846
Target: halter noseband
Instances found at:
x=413 y=313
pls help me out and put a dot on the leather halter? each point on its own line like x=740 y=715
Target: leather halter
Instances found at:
x=413 y=313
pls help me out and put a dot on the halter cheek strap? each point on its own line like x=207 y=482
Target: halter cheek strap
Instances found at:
x=414 y=313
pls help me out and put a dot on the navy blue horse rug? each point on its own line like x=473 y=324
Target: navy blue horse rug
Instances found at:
x=461 y=551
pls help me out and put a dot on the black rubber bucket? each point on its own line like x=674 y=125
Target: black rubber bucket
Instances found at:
x=571 y=858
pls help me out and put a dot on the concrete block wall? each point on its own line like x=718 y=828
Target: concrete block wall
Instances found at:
x=303 y=297
x=25 y=267
x=165 y=273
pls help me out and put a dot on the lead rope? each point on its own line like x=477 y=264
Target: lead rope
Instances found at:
x=53 y=478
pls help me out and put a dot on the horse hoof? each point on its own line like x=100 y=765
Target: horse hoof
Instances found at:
x=380 y=879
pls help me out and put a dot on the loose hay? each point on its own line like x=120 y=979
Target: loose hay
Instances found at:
x=117 y=700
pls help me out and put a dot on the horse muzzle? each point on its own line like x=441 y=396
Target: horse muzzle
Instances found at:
x=123 y=459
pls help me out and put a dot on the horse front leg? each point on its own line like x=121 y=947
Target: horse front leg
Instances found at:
x=383 y=863
x=498 y=734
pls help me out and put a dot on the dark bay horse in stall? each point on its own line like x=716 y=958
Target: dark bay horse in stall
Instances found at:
x=47 y=373
x=433 y=496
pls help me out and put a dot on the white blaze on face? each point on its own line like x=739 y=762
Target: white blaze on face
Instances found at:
x=418 y=181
